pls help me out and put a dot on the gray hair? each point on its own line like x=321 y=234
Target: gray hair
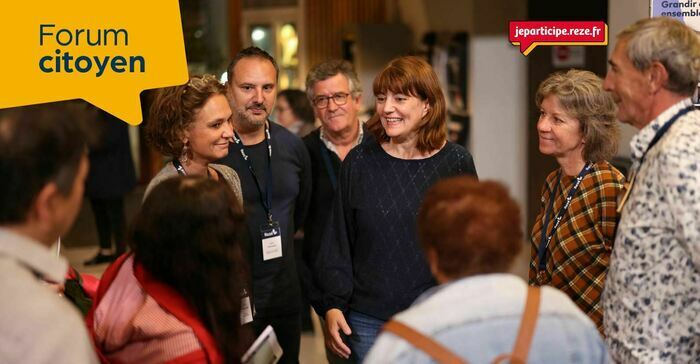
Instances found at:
x=670 y=42
x=328 y=69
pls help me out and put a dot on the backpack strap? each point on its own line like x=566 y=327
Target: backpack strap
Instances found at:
x=521 y=349
x=431 y=347
x=442 y=355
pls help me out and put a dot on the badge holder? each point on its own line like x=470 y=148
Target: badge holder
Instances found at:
x=271 y=240
x=247 y=310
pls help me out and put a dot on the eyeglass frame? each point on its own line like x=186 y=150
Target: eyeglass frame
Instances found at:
x=319 y=99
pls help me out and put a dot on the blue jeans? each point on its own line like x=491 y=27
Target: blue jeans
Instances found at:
x=365 y=330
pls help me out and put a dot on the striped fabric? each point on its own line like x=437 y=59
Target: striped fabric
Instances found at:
x=131 y=327
x=579 y=253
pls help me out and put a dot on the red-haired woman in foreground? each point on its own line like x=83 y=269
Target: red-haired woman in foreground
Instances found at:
x=471 y=234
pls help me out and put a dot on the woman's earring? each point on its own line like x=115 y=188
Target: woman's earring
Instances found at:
x=183 y=157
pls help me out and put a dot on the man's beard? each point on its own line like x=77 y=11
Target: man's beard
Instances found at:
x=249 y=123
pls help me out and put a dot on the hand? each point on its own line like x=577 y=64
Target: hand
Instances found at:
x=335 y=321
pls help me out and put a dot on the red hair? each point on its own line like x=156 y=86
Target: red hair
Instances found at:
x=473 y=227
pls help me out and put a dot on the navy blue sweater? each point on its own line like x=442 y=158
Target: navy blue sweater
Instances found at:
x=370 y=260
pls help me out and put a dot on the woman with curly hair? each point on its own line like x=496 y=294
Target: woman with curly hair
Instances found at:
x=191 y=124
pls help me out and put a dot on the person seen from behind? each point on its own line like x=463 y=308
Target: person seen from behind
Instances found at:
x=471 y=233
x=177 y=296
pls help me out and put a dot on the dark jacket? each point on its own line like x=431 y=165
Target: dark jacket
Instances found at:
x=276 y=288
x=112 y=171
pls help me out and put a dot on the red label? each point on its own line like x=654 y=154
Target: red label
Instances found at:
x=529 y=34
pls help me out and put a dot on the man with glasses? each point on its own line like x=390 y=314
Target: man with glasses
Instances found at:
x=334 y=91
x=274 y=169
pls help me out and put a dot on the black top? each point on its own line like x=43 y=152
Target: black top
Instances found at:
x=319 y=209
x=275 y=282
x=370 y=260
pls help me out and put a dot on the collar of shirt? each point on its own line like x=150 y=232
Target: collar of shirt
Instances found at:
x=33 y=255
x=490 y=289
x=496 y=292
x=477 y=283
x=641 y=140
x=331 y=146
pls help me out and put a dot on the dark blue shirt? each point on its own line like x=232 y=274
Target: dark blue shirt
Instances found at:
x=370 y=260
x=276 y=289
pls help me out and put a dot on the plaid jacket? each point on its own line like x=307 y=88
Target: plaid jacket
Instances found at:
x=579 y=252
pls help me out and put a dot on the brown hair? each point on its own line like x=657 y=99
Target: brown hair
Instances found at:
x=413 y=76
x=175 y=108
x=189 y=235
x=581 y=94
x=299 y=103
x=473 y=227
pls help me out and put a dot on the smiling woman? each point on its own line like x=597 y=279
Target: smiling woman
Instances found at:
x=371 y=265
x=191 y=124
x=573 y=233
x=411 y=111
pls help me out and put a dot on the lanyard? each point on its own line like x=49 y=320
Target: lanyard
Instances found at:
x=663 y=129
x=325 y=154
x=265 y=198
x=659 y=134
x=178 y=166
x=544 y=240
x=181 y=170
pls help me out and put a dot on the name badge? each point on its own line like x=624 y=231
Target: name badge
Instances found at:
x=271 y=240
x=246 y=308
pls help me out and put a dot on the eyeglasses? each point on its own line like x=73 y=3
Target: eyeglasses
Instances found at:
x=340 y=99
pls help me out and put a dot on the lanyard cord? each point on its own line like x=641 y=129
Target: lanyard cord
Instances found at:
x=178 y=166
x=266 y=197
x=662 y=131
x=657 y=137
x=544 y=240
x=181 y=170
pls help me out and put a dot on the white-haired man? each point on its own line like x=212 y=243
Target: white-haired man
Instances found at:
x=651 y=301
